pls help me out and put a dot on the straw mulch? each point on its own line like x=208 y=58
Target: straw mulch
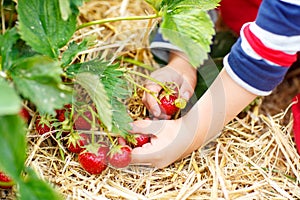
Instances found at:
x=253 y=158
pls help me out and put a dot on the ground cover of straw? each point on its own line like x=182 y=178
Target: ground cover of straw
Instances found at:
x=253 y=158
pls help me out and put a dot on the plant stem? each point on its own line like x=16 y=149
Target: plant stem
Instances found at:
x=138 y=63
x=114 y=19
x=149 y=78
x=110 y=138
x=142 y=87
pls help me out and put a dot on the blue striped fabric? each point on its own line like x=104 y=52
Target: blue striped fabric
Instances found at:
x=278 y=28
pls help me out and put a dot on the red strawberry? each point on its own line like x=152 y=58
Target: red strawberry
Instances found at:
x=62 y=113
x=83 y=122
x=5 y=181
x=43 y=125
x=94 y=163
x=77 y=142
x=167 y=105
x=170 y=102
x=141 y=139
x=120 y=156
x=25 y=114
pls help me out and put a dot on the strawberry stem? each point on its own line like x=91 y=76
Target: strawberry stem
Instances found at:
x=149 y=78
x=135 y=94
x=94 y=114
x=110 y=138
x=137 y=63
x=61 y=152
x=142 y=87
x=71 y=118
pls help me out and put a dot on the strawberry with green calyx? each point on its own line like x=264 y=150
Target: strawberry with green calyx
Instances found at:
x=141 y=140
x=171 y=102
x=94 y=159
x=43 y=124
x=167 y=104
x=119 y=156
x=137 y=140
x=5 y=181
x=169 y=98
x=77 y=142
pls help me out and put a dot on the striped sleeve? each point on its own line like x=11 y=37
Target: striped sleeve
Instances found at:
x=266 y=49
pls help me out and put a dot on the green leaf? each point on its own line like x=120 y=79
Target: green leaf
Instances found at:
x=190 y=4
x=12 y=49
x=10 y=102
x=94 y=87
x=72 y=51
x=190 y=30
x=21 y=50
x=6 y=43
x=156 y=4
x=92 y=66
x=116 y=88
x=13 y=145
x=38 y=79
x=76 y=3
x=33 y=188
x=42 y=26
x=187 y=25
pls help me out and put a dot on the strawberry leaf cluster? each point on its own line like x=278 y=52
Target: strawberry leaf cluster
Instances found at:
x=187 y=25
x=113 y=84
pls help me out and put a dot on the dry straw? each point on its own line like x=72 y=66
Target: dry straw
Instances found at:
x=253 y=158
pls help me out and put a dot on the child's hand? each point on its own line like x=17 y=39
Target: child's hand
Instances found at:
x=179 y=71
x=175 y=139
x=171 y=140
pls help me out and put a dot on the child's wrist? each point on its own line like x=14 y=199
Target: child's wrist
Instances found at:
x=180 y=63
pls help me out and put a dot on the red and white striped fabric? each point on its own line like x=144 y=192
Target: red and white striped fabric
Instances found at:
x=267 y=47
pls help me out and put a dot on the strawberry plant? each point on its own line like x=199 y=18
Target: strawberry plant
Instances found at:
x=38 y=65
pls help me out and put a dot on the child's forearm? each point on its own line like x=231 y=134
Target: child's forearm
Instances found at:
x=219 y=105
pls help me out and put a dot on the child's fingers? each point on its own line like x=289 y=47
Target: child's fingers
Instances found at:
x=149 y=101
x=151 y=127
